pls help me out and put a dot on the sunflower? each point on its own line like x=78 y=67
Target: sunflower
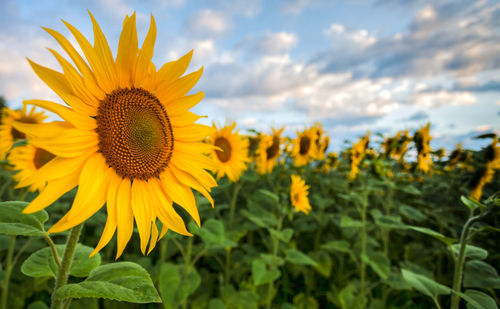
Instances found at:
x=26 y=160
x=268 y=151
x=321 y=140
x=358 y=152
x=299 y=192
x=128 y=139
x=9 y=134
x=422 y=140
x=304 y=147
x=485 y=173
x=230 y=152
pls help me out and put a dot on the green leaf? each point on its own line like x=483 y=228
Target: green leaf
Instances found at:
x=471 y=252
x=262 y=274
x=296 y=257
x=176 y=285
x=472 y=204
x=285 y=235
x=350 y=298
x=324 y=263
x=121 y=281
x=216 y=303
x=240 y=299
x=264 y=220
x=387 y=222
x=270 y=195
x=447 y=240
x=396 y=281
x=484 y=300
x=412 y=213
x=409 y=189
x=212 y=233
x=273 y=261
x=337 y=245
x=424 y=285
x=346 y=221
x=38 y=305
x=41 y=263
x=479 y=274
x=301 y=301
x=379 y=263
x=14 y=222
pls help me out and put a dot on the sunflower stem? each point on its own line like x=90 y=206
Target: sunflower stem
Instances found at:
x=67 y=259
x=54 y=250
x=232 y=208
x=275 y=242
x=8 y=270
x=363 y=243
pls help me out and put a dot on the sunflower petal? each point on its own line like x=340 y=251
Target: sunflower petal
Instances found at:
x=145 y=54
x=142 y=212
x=69 y=143
x=172 y=70
x=126 y=56
x=78 y=120
x=178 y=88
x=124 y=216
x=181 y=194
x=105 y=59
x=190 y=181
x=154 y=237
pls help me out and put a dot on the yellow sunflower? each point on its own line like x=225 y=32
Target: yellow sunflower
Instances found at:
x=321 y=140
x=358 y=152
x=231 y=156
x=304 y=147
x=9 y=134
x=485 y=174
x=128 y=139
x=268 y=151
x=26 y=160
x=422 y=140
x=299 y=192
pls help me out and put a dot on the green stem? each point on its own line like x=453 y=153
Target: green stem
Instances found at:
x=54 y=250
x=8 y=271
x=459 y=264
x=232 y=208
x=363 y=245
x=275 y=248
x=67 y=259
x=187 y=262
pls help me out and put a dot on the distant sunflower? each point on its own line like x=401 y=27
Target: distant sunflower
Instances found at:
x=9 y=134
x=26 y=160
x=422 y=140
x=358 y=152
x=268 y=151
x=299 y=192
x=232 y=156
x=128 y=139
x=304 y=147
x=321 y=141
x=485 y=173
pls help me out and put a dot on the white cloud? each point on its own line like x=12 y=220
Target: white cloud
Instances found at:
x=341 y=36
x=295 y=7
x=440 y=98
x=209 y=22
x=278 y=42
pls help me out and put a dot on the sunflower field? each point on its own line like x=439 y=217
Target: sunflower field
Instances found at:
x=124 y=200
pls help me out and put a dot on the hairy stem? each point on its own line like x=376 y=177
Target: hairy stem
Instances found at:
x=54 y=250
x=67 y=259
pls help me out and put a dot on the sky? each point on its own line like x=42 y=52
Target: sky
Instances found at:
x=380 y=65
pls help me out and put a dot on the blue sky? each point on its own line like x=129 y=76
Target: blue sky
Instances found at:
x=381 y=65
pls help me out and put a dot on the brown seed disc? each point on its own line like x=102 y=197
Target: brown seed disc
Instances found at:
x=305 y=144
x=42 y=157
x=135 y=134
x=225 y=154
x=273 y=150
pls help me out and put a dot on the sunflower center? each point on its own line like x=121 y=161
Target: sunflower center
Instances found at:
x=273 y=150
x=42 y=157
x=135 y=134
x=223 y=144
x=305 y=144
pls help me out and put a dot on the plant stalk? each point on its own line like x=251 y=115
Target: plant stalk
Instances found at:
x=363 y=245
x=8 y=271
x=67 y=259
x=232 y=208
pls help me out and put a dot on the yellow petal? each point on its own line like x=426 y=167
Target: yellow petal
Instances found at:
x=124 y=216
x=142 y=211
x=145 y=54
x=88 y=76
x=54 y=190
x=192 y=133
x=91 y=195
x=154 y=237
x=110 y=227
x=105 y=57
x=180 y=194
x=178 y=88
x=78 y=120
x=69 y=143
x=172 y=70
x=126 y=56
x=190 y=181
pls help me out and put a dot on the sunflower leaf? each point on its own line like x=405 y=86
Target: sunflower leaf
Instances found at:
x=14 y=222
x=122 y=281
x=176 y=285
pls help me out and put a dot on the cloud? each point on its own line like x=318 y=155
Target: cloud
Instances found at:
x=418 y=116
x=294 y=7
x=208 y=22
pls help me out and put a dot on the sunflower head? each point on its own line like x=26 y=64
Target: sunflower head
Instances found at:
x=128 y=139
x=268 y=151
x=358 y=152
x=299 y=192
x=422 y=140
x=230 y=152
x=8 y=133
x=304 y=147
x=27 y=160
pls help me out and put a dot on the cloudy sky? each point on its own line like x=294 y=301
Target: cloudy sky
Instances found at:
x=381 y=65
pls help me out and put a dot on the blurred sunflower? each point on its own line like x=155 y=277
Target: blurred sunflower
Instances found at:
x=299 y=192
x=231 y=157
x=304 y=147
x=422 y=140
x=128 y=139
x=9 y=134
x=268 y=151
x=485 y=173
x=26 y=160
x=358 y=152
